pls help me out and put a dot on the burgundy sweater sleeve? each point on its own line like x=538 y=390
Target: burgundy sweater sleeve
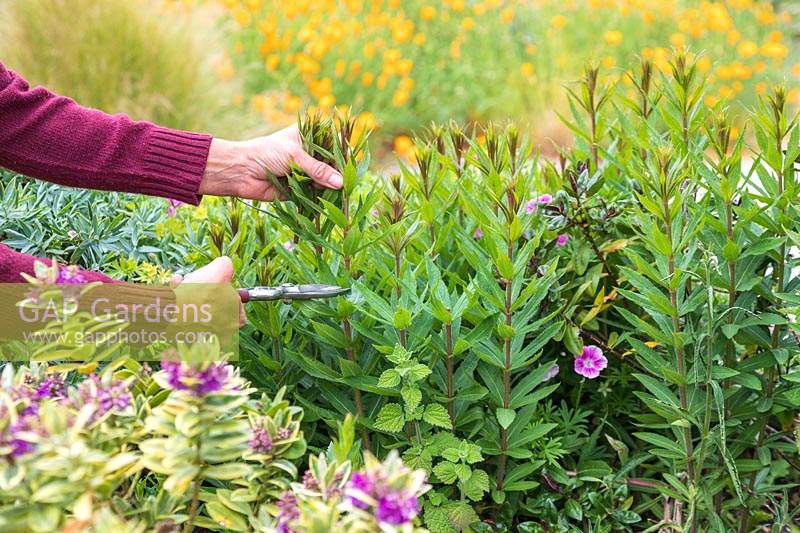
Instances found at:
x=51 y=137
x=13 y=263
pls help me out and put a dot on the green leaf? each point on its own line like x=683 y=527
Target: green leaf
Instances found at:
x=573 y=510
x=505 y=417
x=389 y=378
x=390 y=419
x=228 y=519
x=446 y=472
x=476 y=486
x=412 y=396
x=436 y=415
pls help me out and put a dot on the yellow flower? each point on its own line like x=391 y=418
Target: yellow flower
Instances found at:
x=613 y=37
x=774 y=50
x=711 y=100
x=775 y=36
x=399 y=98
x=527 y=70
x=704 y=64
x=292 y=104
x=242 y=17
x=761 y=87
x=404 y=146
x=339 y=69
x=558 y=22
x=793 y=96
x=530 y=49
x=455 y=49
x=507 y=15
x=419 y=39
x=796 y=70
x=427 y=13
x=272 y=62
x=383 y=79
x=759 y=67
x=747 y=49
x=367 y=79
x=479 y=10
x=467 y=24
x=457 y=5
x=327 y=101
x=609 y=62
x=678 y=40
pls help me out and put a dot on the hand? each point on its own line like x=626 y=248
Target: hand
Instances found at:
x=241 y=168
x=220 y=270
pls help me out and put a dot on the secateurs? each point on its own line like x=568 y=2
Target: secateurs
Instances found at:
x=289 y=291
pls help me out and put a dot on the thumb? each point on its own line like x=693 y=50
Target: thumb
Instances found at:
x=220 y=270
x=318 y=171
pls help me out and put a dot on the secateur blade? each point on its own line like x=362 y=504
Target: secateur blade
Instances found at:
x=290 y=291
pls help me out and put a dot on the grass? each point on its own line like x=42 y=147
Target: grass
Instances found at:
x=146 y=59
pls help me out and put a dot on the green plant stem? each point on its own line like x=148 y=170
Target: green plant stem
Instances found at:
x=707 y=411
x=501 y=469
x=189 y=525
x=347 y=329
x=676 y=327
x=398 y=292
x=448 y=342
x=775 y=342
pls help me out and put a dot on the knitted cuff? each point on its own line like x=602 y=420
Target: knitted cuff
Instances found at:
x=176 y=161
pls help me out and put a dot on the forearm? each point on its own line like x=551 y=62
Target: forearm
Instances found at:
x=52 y=138
x=13 y=264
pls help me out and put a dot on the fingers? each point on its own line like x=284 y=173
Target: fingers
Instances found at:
x=318 y=171
x=220 y=270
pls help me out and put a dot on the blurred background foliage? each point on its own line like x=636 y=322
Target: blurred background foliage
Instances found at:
x=242 y=67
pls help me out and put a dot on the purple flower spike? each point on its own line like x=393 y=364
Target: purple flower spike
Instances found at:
x=553 y=372
x=68 y=275
x=562 y=240
x=545 y=199
x=287 y=504
x=590 y=362
x=212 y=379
x=261 y=442
x=478 y=234
x=395 y=508
x=531 y=206
x=52 y=387
x=362 y=482
x=181 y=376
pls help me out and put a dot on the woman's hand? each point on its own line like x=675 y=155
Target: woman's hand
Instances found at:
x=241 y=168
x=220 y=270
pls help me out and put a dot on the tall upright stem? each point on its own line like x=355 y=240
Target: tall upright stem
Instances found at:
x=501 y=469
x=776 y=330
x=676 y=328
x=451 y=392
x=346 y=328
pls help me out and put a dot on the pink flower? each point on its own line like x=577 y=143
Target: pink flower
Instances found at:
x=478 y=233
x=531 y=207
x=590 y=362
x=545 y=199
x=375 y=213
x=288 y=246
x=562 y=240
x=171 y=211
